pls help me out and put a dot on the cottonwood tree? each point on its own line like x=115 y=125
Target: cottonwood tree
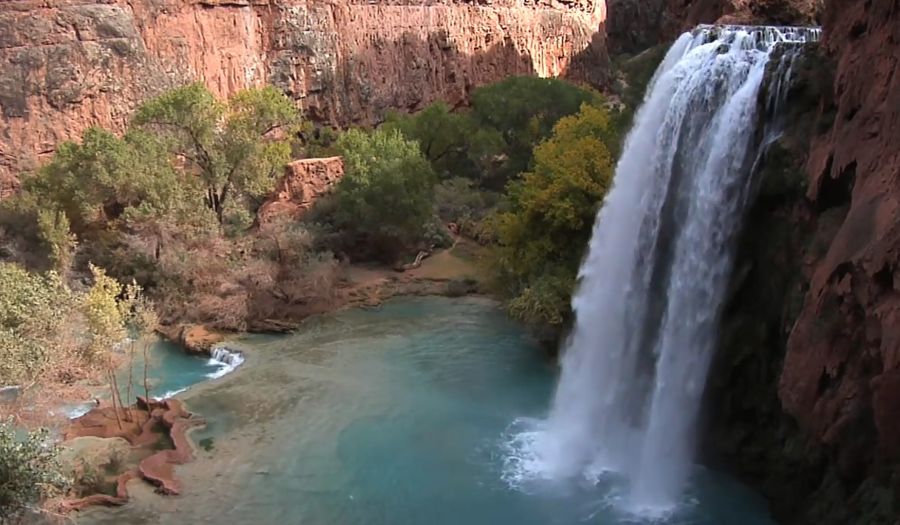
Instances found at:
x=549 y=213
x=492 y=142
x=237 y=147
x=98 y=179
x=385 y=195
x=444 y=137
x=515 y=115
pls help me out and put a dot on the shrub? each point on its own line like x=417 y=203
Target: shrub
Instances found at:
x=29 y=471
x=458 y=200
x=385 y=196
x=33 y=311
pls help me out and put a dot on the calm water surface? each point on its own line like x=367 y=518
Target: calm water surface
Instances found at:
x=395 y=416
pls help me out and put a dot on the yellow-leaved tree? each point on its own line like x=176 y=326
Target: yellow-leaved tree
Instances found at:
x=548 y=213
x=106 y=325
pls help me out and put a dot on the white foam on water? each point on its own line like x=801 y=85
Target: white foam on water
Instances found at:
x=171 y=393
x=225 y=360
x=655 y=276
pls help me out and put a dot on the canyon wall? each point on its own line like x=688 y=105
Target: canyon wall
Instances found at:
x=69 y=64
x=841 y=376
x=635 y=25
x=805 y=397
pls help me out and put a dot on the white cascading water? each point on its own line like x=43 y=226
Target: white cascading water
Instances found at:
x=226 y=360
x=658 y=266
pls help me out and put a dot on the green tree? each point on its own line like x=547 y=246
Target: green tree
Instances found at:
x=29 y=470
x=549 y=213
x=493 y=141
x=237 y=148
x=85 y=180
x=385 y=195
x=516 y=114
x=33 y=311
x=97 y=180
x=53 y=226
x=443 y=136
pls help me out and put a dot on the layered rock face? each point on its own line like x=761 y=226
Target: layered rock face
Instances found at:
x=69 y=64
x=806 y=397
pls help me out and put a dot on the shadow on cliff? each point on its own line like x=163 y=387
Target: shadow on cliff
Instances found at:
x=592 y=65
x=412 y=71
x=409 y=73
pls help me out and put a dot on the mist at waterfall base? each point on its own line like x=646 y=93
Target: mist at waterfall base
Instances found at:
x=655 y=277
x=392 y=416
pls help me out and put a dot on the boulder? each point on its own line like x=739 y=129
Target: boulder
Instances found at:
x=304 y=182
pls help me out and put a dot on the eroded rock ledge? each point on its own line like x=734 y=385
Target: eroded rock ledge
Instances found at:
x=167 y=421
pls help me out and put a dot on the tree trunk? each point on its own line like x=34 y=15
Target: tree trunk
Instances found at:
x=146 y=385
x=112 y=387
x=130 y=391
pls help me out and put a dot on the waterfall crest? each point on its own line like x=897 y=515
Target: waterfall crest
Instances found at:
x=655 y=276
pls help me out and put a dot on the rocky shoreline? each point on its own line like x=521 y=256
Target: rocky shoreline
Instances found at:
x=155 y=431
x=441 y=274
x=366 y=287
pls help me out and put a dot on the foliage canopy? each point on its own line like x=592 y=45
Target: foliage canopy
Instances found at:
x=385 y=195
x=548 y=214
x=29 y=470
x=492 y=142
x=237 y=148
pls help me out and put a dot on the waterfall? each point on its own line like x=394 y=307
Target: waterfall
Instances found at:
x=655 y=276
x=226 y=360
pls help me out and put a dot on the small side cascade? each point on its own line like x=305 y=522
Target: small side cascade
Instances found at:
x=653 y=283
x=226 y=360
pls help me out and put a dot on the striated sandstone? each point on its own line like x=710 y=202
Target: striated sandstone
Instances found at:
x=841 y=377
x=69 y=64
x=303 y=183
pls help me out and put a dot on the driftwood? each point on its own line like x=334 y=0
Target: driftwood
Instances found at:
x=415 y=264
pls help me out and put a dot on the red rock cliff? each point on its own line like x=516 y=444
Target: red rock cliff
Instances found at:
x=304 y=181
x=806 y=391
x=841 y=377
x=68 y=64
